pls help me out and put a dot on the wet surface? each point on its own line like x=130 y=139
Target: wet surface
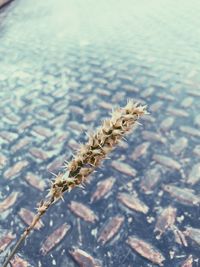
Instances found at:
x=63 y=66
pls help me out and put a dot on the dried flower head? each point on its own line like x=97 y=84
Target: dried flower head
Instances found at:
x=99 y=144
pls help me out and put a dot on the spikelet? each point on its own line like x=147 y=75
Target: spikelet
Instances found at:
x=87 y=158
x=90 y=155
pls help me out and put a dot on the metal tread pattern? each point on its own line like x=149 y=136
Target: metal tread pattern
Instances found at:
x=63 y=68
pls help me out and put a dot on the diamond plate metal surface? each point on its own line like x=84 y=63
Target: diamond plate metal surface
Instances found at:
x=63 y=66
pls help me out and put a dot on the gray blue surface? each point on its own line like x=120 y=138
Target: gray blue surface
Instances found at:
x=54 y=57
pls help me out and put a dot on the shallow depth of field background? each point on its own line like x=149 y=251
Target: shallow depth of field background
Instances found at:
x=63 y=66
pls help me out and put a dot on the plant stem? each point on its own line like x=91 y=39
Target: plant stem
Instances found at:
x=14 y=250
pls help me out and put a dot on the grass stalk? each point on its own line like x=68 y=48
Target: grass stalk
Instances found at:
x=88 y=157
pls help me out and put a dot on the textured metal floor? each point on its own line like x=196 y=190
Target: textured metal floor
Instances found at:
x=63 y=66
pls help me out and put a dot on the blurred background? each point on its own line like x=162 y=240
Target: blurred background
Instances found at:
x=63 y=66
